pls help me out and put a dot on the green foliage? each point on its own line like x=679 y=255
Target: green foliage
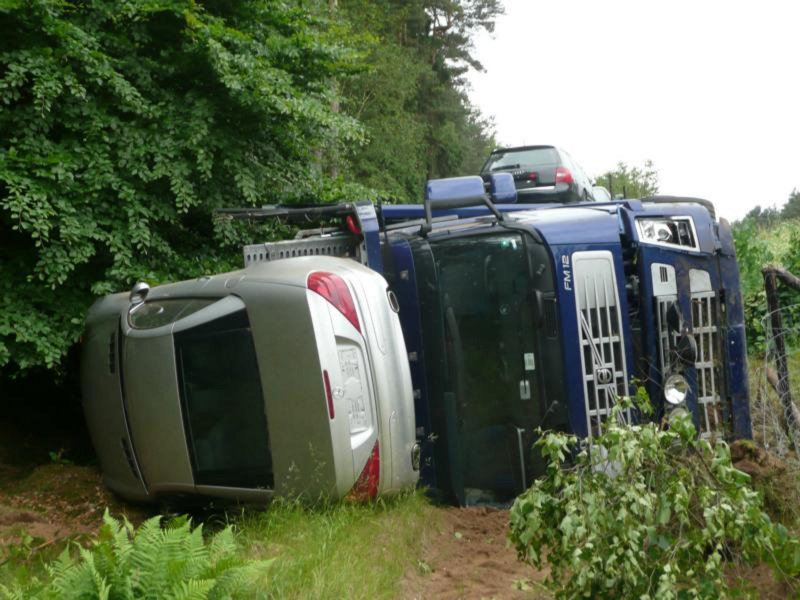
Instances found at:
x=791 y=210
x=338 y=550
x=384 y=99
x=411 y=97
x=644 y=512
x=763 y=216
x=151 y=562
x=771 y=215
x=630 y=182
x=759 y=242
x=752 y=253
x=125 y=124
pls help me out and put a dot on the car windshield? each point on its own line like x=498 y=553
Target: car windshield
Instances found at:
x=515 y=159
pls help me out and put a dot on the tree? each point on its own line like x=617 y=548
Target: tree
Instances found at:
x=411 y=97
x=631 y=182
x=762 y=217
x=125 y=124
x=791 y=209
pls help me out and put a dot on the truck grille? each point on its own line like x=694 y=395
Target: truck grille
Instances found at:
x=706 y=334
x=663 y=304
x=665 y=291
x=601 y=340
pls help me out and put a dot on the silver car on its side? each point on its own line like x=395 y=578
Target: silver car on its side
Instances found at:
x=286 y=378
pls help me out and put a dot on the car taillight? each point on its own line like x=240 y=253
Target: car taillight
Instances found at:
x=532 y=176
x=366 y=487
x=328 y=393
x=563 y=175
x=335 y=290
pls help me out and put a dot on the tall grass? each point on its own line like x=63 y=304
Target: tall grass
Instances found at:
x=339 y=550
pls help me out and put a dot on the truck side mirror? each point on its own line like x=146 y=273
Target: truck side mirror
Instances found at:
x=457 y=192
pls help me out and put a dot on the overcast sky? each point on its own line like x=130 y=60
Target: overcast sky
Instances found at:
x=707 y=90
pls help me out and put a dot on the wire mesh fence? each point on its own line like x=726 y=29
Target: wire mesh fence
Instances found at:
x=775 y=385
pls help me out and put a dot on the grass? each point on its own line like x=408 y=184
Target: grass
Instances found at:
x=781 y=236
x=776 y=472
x=339 y=550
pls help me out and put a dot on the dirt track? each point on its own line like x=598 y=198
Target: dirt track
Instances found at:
x=467 y=556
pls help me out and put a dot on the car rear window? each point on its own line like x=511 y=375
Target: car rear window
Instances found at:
x=531 y=157
x=223 y=404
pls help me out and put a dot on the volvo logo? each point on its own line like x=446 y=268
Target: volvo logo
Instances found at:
x=604 y=376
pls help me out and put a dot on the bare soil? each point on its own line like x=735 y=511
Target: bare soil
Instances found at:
x=46 y=500
x=466 y=555
x=52 y=505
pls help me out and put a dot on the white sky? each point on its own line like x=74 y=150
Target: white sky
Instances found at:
x=708 y=90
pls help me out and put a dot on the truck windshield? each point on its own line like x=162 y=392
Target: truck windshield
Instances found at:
x=481 y=300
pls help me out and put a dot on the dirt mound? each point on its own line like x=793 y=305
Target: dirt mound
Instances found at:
x=55 y=502
x=467 y=556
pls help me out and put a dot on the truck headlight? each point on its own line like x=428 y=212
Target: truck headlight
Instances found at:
x=677 y=414
x=654 y=230
x=676 y=389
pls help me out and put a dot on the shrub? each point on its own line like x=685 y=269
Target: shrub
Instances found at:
x=644 y=512
x=151 y=562
x=124 y=125
x=758 y=245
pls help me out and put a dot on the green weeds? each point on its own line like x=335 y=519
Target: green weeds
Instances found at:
x=288 y=550
x=340 y=550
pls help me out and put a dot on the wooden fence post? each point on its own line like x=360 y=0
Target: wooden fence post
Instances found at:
x=771 y=275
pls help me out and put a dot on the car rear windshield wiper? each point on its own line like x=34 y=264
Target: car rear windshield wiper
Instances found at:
x=505 y=167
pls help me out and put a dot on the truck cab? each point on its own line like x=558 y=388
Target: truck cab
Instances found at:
x=518 y=318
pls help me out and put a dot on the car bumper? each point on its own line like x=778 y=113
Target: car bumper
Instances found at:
x=553 y=193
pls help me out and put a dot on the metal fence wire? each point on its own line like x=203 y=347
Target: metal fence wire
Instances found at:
x=775 y=385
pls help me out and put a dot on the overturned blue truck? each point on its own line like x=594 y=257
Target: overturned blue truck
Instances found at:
x=518 y=317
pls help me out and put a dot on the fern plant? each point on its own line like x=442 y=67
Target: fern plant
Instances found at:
x=172 y=562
